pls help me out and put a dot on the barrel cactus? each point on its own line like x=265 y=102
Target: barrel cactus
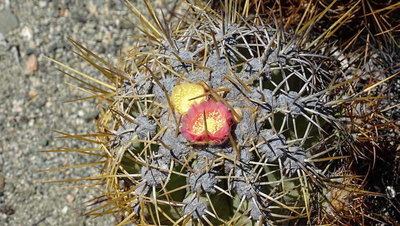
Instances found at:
x=221 y=119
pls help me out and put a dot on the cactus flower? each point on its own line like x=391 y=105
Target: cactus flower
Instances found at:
x=186 y=94
x=208 y=121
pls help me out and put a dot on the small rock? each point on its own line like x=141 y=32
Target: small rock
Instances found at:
x=70 y=198
x=8 y=21
x=30 y=51
x=2 y=182
x=92 y=9
x=64 y=210
x=17 y=106
x=32 y=64
x=26 y=33
x=43 y=142
x=81 y=113
x=42 y=4
x=32 y=93
x=91 y=115
x=7 y=209
x=2 y=38
x=64 y=12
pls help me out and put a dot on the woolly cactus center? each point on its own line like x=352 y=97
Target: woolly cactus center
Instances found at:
x=214 y=122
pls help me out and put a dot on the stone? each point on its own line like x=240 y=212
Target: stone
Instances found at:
x=42 y=4
x=2 y=39
x=2 y=182
x=32 y=64
x=26 y=33
x=7 y=209
x=70 y=198
x=8 y=21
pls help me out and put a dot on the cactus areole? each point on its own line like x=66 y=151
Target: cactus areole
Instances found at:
x=209 y=122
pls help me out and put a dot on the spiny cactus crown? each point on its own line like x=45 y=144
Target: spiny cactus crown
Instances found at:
x=276 y=94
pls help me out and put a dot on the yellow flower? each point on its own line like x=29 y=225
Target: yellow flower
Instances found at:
x=186 y=94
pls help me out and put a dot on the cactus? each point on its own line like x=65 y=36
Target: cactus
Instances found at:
x=220 y=119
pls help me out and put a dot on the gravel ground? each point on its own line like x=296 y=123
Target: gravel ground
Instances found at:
x=32 y=93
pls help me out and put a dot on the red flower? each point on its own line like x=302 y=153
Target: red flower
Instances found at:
x=214 y=129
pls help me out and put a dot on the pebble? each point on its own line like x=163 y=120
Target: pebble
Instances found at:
x=2 y=39
x=64 y=210
x=8 y=21
x=2 y=182
x=7 y=209
x=70 y=198
x=32 y=64
x=26 y=33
